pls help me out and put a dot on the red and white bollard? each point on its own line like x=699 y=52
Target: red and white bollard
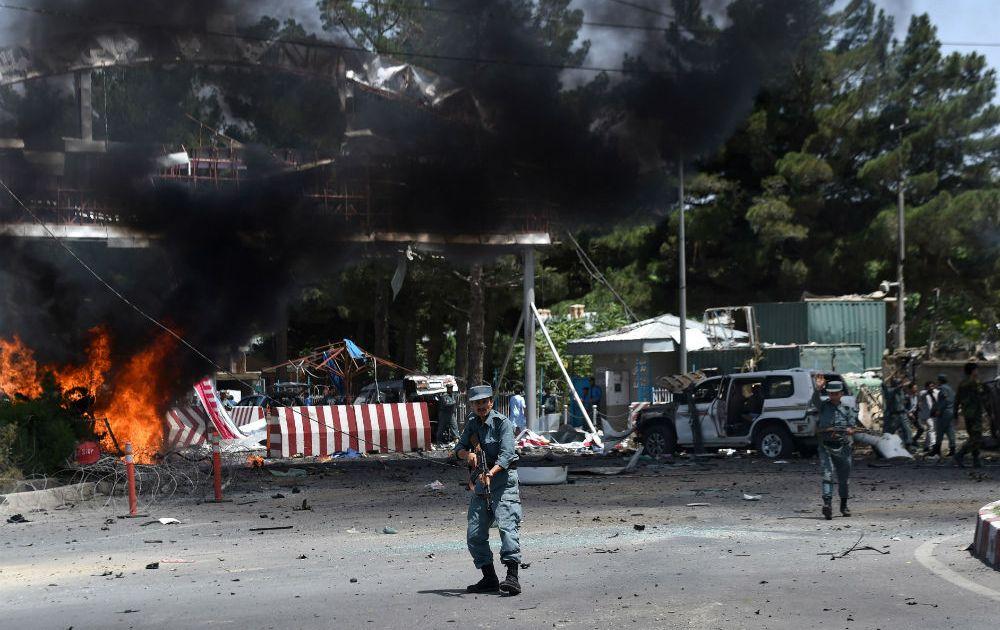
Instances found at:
x=133 y=504
x=217 y=465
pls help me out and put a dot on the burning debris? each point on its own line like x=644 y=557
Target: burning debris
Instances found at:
x=132 y=396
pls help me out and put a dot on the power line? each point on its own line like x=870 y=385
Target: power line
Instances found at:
x=596 y=274
x=643 y=7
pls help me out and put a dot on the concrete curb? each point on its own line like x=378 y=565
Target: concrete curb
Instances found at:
x=986 y=544
x=47 y=499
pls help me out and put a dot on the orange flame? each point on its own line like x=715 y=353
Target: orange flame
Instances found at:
x=138 y=396
x=90 y=375
x=132 y=402
x=18 y=369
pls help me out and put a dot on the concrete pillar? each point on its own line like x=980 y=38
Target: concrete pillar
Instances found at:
x=530 y=389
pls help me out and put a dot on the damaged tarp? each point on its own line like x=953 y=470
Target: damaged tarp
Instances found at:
x=567 y=440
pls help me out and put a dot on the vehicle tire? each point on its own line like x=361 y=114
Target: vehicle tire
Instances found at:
x=808 y=450
x=658 y=440
x=774 y=441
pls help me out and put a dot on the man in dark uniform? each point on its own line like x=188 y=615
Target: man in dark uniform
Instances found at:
x=895 y=410
x=494 y=433
x=944 y=414
x=836 y=446
x=447 y=429
x=970 y=401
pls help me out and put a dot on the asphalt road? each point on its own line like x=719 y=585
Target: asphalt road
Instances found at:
x=730 y=564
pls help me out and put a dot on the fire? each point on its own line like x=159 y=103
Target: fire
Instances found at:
x=18 y=369
x=137 y=398
x=132 y=400
x=90 y=375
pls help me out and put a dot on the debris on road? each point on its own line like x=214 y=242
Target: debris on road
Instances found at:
x=176 y=561
x=267 y=529
x=305 y=506
x=278 y=496
x=18 y=518
x=169 y=521
x=354 y=580
x=153 y=565
x=698 y=504
x=637 y=527
x=435 y=485
x=291 y=472
x=389 y=530
x=854 y=547
x=751 y=497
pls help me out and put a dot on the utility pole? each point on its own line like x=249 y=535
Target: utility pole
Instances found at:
x=901 y=237
x=530 y=398
x=682 y=275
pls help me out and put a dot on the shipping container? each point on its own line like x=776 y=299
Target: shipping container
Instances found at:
x=843 y=358
x=827 y=322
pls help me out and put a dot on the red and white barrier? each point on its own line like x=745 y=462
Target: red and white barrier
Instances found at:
x=186 y=426
x=986 y=544
x=245 y=415
x=321 y=431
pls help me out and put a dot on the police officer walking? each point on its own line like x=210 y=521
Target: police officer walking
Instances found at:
x=970 y=402
x=494 y=433
x=836 y=446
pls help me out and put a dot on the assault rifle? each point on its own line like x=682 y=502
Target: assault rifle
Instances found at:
x=480 y=470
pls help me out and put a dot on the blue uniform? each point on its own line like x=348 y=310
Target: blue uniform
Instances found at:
x=496 y=436
x=835 y=448
x=447 y=427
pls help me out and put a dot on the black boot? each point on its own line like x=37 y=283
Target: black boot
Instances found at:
x=958 y=458
x=844 y=511
x=489 y=584
x=510 y=585
x=975 y=461
x=827 y=508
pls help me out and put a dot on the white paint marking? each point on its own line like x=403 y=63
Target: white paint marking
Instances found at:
x=925 y=556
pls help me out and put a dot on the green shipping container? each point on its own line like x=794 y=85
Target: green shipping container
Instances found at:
x=836 y=358
x=827 y=322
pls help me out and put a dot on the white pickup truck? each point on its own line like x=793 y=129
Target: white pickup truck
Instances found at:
x=771 y=411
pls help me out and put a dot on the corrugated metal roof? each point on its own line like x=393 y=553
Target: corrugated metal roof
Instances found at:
x=658 y=334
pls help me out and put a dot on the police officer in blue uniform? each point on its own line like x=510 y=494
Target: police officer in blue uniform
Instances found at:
x=836 y=446
x=494 y=433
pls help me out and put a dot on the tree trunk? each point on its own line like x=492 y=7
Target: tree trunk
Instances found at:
x=462 y=350
x=476 y=323
x=382 y=324
x=410 y=346
x=435 y=344
x=489 y=339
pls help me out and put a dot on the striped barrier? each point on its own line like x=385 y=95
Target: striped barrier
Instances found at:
x=986 y=544
x=245 y=415
x=186 y=426
x=322 y=431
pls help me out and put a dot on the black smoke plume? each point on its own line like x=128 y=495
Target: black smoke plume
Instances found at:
x=222 y=263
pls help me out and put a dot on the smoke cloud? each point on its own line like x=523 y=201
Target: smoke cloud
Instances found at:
x=222 y=263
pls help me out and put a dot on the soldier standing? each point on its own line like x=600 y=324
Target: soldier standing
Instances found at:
x=895 y=410
x=494 y=433
x=970 y=402
x=836 y=446
x=447 y=429
x=944 y=414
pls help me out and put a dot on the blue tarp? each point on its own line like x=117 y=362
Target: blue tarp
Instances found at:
x=354 y=350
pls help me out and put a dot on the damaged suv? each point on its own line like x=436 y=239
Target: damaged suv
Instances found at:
x=771 y=411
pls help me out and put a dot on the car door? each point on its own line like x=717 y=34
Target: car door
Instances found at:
x=704 y=396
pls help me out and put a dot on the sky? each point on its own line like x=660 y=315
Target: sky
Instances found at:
x=958 y=21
